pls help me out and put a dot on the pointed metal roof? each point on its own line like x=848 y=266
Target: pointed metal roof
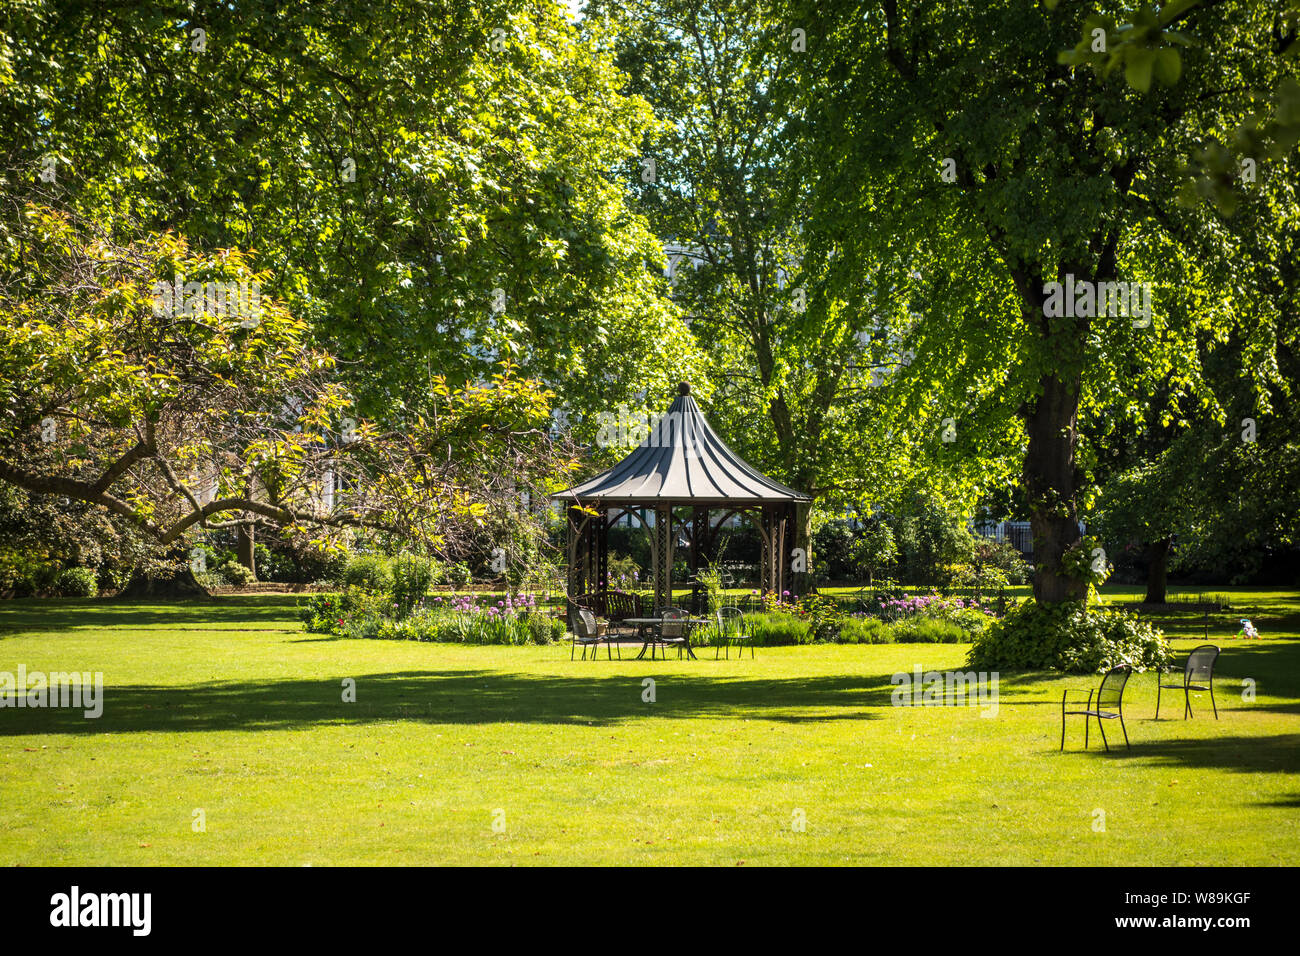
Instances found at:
x=683 y=461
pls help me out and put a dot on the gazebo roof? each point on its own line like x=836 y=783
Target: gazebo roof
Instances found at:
x=682 y=461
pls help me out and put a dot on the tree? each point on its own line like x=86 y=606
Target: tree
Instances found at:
x=800 y=376
x=1218 y=493
x=1148 y=48
x=1142 y=505
x=145 y=380
x=428 y=186
x=874 y=550
x=996 y=189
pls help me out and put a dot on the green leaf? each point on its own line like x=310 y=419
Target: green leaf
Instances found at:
x=1169 y=66
x=1137 y=71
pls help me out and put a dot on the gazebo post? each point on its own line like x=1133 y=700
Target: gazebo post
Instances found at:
x=600 y=533
x=787 y=542
x=576 y=553
x=663 y=556
x=769 y=578
x=778 y=532
x=699 y=551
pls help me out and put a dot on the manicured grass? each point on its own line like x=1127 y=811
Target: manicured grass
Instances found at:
x=228 y=707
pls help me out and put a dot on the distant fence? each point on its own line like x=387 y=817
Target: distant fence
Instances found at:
x=1016 y=533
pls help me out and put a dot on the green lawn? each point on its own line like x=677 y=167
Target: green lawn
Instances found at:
x=229 y=708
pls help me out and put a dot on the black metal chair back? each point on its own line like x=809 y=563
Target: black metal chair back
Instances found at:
x=1110 y=697
x=586 y=622
x=1200 y=664
x=1109 y=705
x=672 y=623
x=731 y=622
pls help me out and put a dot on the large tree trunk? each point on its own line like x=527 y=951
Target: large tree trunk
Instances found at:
x=802 y=531
x=1051 y=481
x=1157 y=570
x=244 y=548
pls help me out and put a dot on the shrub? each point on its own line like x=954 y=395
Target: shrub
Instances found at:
x=77 y=582
x=24 y=575
x=270 y=566
x=1071 y=637
x=864 y=630
x=968 y=615
x=209 y=580
x=297 y=563
x=370 y=572
x=778 y=628
x=362 y=614
x=459 y=575
x=412 y=576
x=823 y=615
x=235 y=573
x=544 y=629
x=323 y=613
x=112 y=578
x=971 y=621
x=928 y=630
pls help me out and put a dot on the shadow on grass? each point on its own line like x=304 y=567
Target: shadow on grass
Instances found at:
x=1279 y=753
x=55 y=614
x=457 y=697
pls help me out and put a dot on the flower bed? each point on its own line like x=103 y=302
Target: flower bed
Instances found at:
x=456 y=618
x=902 y=619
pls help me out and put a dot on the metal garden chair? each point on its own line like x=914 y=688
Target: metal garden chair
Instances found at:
x=586 y=634
x=671 y=630
x=1109 y=706
x=731 y=630
x=1198 y=674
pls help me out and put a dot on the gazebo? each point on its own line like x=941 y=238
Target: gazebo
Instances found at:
x=682 y=473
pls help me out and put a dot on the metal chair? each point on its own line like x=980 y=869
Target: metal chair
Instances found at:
x=1198 y=674
x=670 y=631
x=585 y=634
x=731 y=630
x=1110 y=705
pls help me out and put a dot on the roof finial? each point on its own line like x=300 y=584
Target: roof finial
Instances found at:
x=683 y=388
